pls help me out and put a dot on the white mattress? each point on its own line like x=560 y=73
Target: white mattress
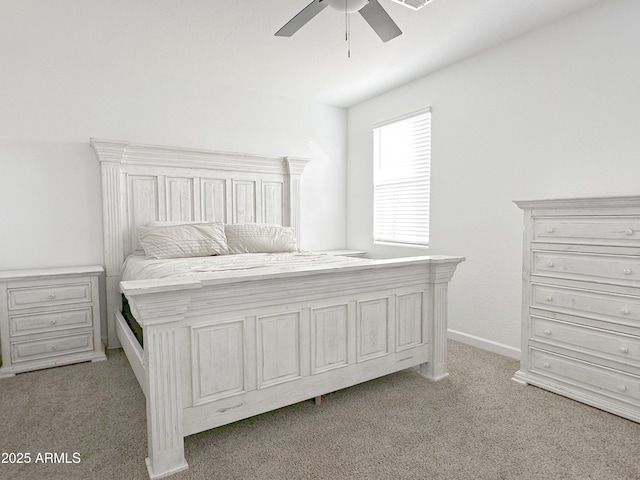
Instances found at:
x=138 y=267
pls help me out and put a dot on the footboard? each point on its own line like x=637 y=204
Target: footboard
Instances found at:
x=218 y=351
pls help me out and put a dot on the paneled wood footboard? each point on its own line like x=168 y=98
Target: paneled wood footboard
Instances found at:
x=218 y=351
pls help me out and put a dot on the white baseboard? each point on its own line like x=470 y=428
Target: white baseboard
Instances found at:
x=484 y=344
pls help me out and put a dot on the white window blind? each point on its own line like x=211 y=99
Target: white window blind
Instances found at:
x=402 y=170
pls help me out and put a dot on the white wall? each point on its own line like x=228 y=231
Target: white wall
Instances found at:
x=75 y=69
x=554 y=113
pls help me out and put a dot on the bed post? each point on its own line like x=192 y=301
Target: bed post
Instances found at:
x=295 y=167
x=436 y=368
x=110 y=156
x=160 y=315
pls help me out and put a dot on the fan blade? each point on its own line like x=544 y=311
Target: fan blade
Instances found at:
x=380 y=21
x=306 y=14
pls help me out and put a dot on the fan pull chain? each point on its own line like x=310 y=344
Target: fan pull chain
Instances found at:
x=347 y=28
x=346 y=22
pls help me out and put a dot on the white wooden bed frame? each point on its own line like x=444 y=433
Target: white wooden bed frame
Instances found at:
x=219 y=351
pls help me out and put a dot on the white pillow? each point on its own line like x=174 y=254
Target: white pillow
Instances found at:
x=183 y=240
x=167 y=223
x=260 y=238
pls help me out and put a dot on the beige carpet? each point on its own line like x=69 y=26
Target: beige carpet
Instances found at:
x=477 y=424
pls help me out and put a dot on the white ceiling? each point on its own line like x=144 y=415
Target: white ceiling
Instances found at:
x=313 y=63
x=232 y=42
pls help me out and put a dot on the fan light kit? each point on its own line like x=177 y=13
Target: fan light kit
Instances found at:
x=370 y=10
x=347 y=6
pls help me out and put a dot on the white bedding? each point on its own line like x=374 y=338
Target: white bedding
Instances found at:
x=138 y=267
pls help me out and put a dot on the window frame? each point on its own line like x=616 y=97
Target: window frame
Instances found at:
x=390 y=234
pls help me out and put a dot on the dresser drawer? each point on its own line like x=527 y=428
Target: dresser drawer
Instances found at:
x=600 y=380
x=607 y=306
x=51 y=347
x=616 y=346
x=48 y=295
x=50 y=321
x=619 y=230
x=617 y=269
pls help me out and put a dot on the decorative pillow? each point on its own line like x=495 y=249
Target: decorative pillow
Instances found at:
x=173 y=223
x=260 y=238
x=183 y=240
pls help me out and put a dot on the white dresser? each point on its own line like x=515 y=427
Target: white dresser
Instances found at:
x=49 y=317
x=581 y=301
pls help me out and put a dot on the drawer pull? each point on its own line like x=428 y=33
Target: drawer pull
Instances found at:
x=548 y=298
x=546 y=331
x=54 y=348
x=622 y=388
x=546 y=365
x=624 y=350
x=627 y=271
x=53 y=322
x=625 y=311
x=52 y=296
x=628 y=232
x=549 y=263
x=550 y=229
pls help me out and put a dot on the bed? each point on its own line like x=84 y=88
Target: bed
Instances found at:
x=220 y=344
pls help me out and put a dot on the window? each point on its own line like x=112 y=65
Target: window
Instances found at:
x=401 y=177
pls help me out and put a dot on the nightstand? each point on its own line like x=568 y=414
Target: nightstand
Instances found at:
x=345 y=253
x=49 y=317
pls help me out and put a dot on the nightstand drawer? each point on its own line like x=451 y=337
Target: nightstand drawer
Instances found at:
x=616 y=269
x=601 y=230
x=616 y=346
x=586 y=375
x=48 y=295
x=51 y=347
x=608 y=307
x=50 y=321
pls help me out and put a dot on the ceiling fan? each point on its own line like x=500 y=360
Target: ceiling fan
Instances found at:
x=371 y=11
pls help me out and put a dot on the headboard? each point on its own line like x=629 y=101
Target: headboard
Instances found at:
x=147 y=183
